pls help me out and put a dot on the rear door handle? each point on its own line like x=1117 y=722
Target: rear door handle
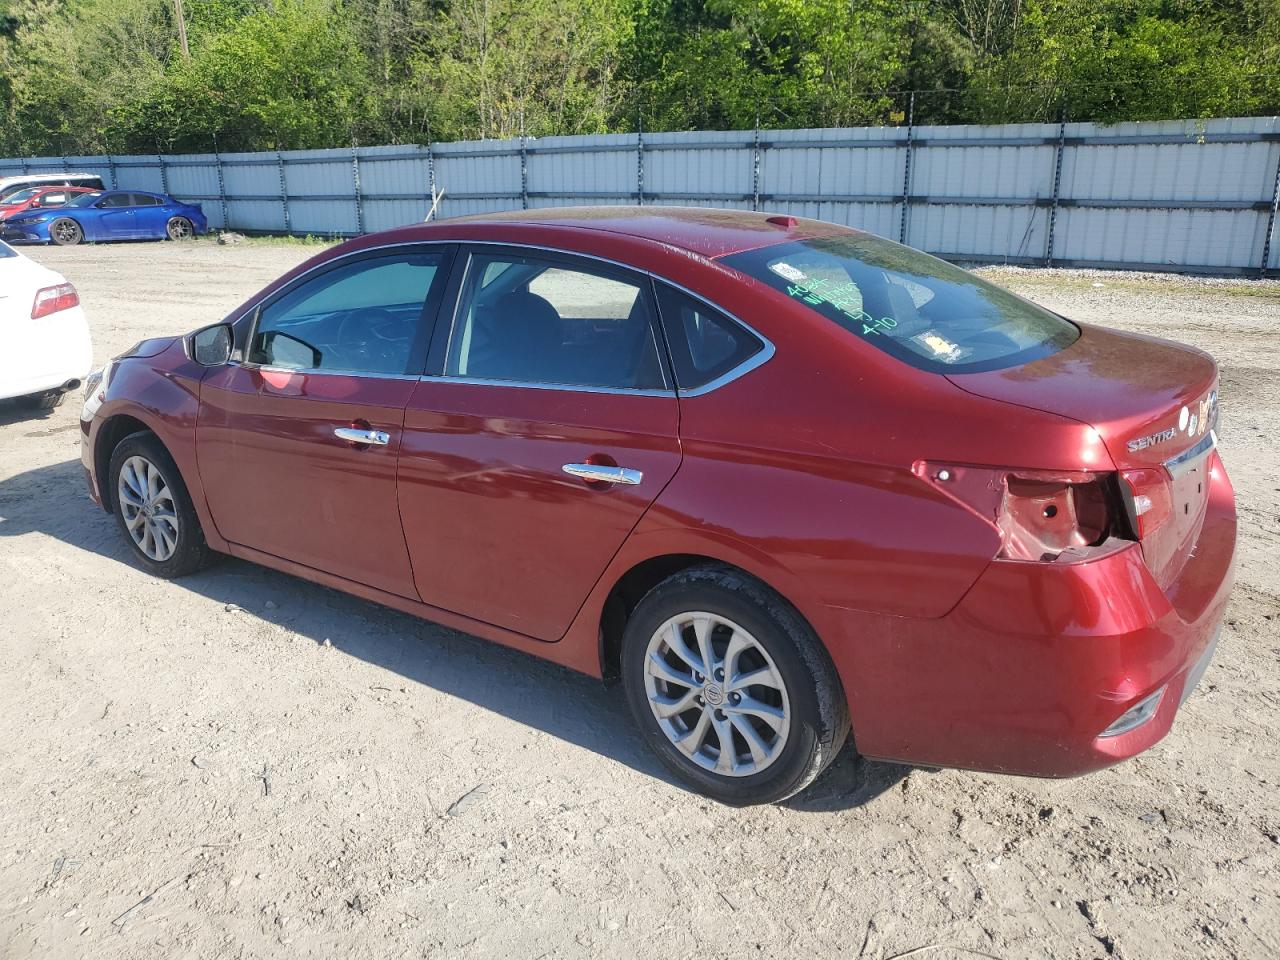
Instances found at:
x=598 y=473
x=355 y=435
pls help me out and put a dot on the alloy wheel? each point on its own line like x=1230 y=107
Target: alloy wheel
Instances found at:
x=717 y=694
x=66 y=231
x=180 y=229
x=148 y=508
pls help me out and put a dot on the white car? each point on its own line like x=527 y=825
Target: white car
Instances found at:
x=45 y=349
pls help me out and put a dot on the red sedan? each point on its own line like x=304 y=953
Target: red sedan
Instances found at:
x=38 y=198
x=789 y=483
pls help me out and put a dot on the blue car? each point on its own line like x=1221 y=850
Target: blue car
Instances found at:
x=107 y=215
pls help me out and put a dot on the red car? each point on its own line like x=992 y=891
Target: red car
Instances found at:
x=788 y=482
x=38 y=198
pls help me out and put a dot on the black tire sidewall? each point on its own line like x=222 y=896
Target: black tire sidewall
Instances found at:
x=191 y=552
x=818 y=710
x=168 y=228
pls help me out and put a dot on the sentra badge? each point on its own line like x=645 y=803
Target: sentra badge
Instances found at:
x=1141 y=443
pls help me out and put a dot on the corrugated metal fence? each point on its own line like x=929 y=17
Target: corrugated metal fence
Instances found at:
x=1196 y=196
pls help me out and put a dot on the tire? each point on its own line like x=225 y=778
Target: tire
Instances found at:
x=774 y=642
x=171 y=542
x=65 y=232
x=180 y=228
x=48 y=400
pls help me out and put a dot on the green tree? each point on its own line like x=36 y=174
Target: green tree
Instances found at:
x=91 y=76
x=491 y=68
x=1121 y=60
x=724 y=63
x=290 y=76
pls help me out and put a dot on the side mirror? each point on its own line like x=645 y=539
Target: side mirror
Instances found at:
x=211 y=347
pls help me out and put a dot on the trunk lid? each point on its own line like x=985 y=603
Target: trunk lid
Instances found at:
x=1153 y=402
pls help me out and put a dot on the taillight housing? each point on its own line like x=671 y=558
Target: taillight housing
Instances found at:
x=1038 y=514
x=1148 y=498
x=53 y=299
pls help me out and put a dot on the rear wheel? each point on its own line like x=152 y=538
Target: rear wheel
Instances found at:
x=65 y=232
x=731 y=688
x=180 y=228
x=154 y=509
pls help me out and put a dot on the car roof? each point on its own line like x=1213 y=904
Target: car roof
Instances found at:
x=706 y=231
x=30 y=177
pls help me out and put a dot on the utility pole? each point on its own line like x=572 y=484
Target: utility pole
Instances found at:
x=181 y=17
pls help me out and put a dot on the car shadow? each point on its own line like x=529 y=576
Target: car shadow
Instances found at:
x=20 y=410
x=542 y=695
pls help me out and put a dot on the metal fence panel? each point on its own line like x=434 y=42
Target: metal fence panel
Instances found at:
x=586 y=169
x=710 y=168
x=1196 y=195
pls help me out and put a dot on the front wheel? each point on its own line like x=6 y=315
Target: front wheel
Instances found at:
x=180 y=228
x=154 y=509
x=65 y=232
x=731 y=688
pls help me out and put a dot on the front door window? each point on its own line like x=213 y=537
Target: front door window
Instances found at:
x=359 y=318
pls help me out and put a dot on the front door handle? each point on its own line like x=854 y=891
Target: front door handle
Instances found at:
x=355 y=435
x=598 y=473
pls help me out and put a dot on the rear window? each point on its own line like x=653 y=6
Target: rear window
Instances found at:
x=917 y=308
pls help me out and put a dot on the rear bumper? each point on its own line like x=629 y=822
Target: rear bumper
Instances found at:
x=1038 y=660
x=48 y=354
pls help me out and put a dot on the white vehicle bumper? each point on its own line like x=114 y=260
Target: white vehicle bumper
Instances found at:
x=45 y=354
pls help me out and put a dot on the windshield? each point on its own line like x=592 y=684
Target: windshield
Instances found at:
x=922 y=310
x=84 y=199
x=6 y=250
x=22 y=195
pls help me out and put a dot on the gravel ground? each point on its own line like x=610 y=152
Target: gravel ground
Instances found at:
x=286 y=771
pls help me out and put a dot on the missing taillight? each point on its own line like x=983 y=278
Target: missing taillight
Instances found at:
x=1039 y=515
x=1040 y=519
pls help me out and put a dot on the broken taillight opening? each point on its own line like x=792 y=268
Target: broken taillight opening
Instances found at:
x=1038 y=514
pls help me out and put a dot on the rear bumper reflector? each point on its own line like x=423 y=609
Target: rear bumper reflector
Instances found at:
x=1135 y=716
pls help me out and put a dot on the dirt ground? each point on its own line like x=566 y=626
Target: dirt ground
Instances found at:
x=287 y=771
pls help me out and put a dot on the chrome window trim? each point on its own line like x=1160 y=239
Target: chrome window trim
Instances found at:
x=563 y=387
x=1186 y=459
x=319 y=372
x=756 y=360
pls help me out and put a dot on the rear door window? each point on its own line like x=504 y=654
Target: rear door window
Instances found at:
x=539 y=321
x=144 y=200
x=922 y=310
